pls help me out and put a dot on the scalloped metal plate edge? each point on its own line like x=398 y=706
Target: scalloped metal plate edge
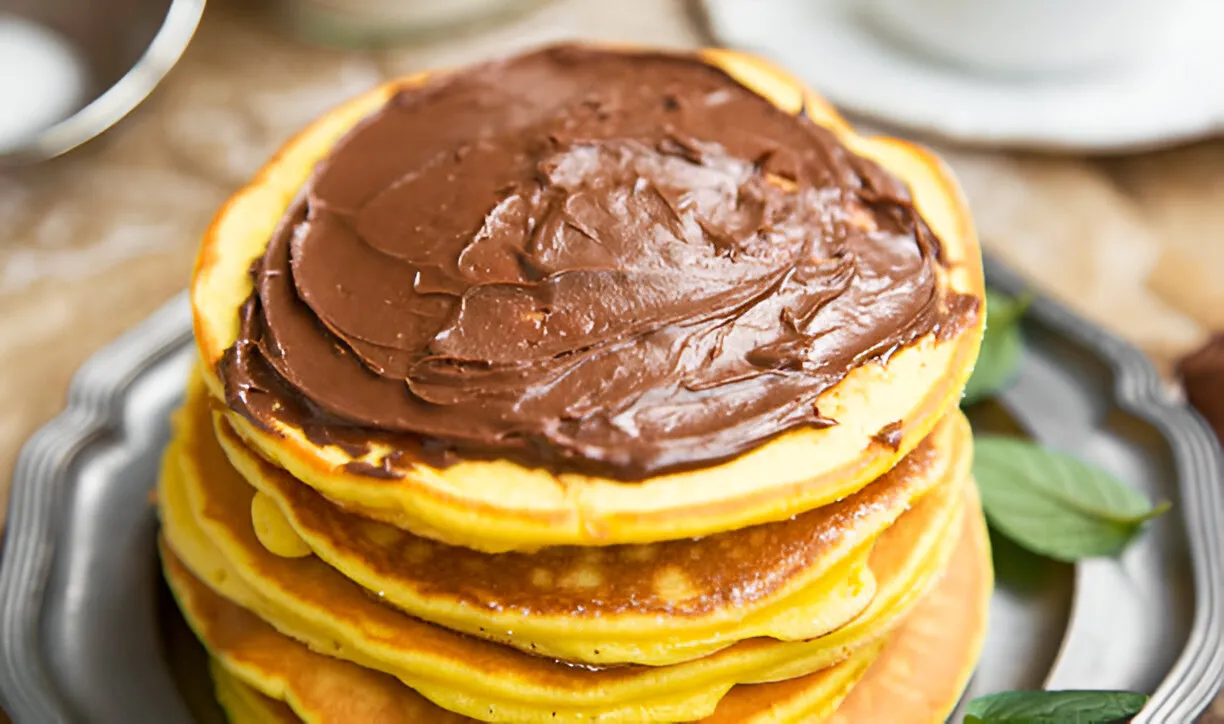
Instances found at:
x=94 y=408
x=1196 y=678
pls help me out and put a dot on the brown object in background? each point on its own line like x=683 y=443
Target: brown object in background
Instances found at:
x=1202 y=374
x=1215 y=714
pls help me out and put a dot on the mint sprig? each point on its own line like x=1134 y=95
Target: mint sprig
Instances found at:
x=1054 y=504
x=1054 y=707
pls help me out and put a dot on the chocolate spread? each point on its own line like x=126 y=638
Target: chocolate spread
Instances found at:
x=622 y=263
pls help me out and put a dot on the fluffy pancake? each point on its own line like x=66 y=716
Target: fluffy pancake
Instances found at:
x=256 y=669
x=498 y=505
x=207 y=526
x=807 y=698
x=244 y=705
x=923 y=669
x=822 y=693
x=653 y=604
x=918 y=678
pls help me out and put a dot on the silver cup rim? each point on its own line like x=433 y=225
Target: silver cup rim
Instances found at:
x=182 y=18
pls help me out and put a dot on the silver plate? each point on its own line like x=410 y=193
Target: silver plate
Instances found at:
x=87 y=632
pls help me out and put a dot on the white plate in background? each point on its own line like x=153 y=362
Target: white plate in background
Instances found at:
x=1158 y=99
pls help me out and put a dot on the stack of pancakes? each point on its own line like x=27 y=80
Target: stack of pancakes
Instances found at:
x=586 y=385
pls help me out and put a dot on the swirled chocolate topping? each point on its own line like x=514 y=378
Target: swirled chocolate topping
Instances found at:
x=623 y=263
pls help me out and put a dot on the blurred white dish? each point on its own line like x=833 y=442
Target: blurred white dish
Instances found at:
x=1146 y=100
x=89 y=63
x=1027 y=37
x=42 y=79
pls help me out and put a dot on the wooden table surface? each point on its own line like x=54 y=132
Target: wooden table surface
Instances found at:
x=91 y=243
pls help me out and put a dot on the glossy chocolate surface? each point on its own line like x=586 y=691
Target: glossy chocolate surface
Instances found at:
x=621 y=263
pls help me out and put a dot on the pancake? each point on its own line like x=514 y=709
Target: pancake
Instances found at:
x=921 y=671
x=256 y=669
x=918 y=677
x=317 y=687
x=244 y=705
x=208 y=527
x=807 y=698
x=865 y=421
x=793 y=580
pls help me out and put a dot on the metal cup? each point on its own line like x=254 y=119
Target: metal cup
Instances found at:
x=125 y=48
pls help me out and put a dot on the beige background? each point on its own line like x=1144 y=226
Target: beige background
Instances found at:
x=91 y=243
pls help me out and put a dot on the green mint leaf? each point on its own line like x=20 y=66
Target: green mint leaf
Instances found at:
x=1002 y=347
x=1053 y=503
x=1054 y=707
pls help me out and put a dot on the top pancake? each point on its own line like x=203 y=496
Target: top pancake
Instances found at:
x=881 y=408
